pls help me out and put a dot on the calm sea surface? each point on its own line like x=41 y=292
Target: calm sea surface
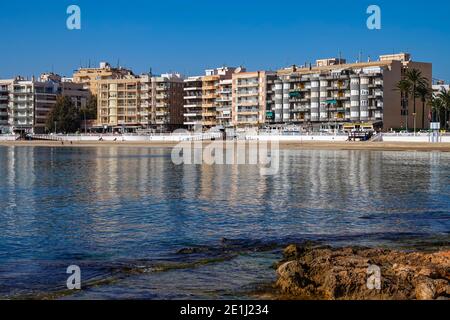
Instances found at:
x=124 y=214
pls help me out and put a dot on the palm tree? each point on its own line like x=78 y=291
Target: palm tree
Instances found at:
x=416 y=79
x=424 y=92
x=404 y=86
x=436 y=106
x=444 y=95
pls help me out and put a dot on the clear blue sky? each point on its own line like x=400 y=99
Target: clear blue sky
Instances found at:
x=190 y=35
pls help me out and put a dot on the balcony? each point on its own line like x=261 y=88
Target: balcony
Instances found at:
x=248 y=103
x=162 y=88
x=222 y=109
x=248 y=110
x=247 y=93
x=224 y=100
x=196 y=106
x=161 y=96
x=248 y=84
x=192 y=115
x=194 y=88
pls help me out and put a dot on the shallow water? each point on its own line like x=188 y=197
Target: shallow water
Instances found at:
x=122 y=214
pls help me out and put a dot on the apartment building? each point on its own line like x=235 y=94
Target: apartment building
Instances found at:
x=208 y=98
x=167 y=102
x=4 y=101
x=90 y=77
x=21 y=105
x=440 y=86
x=224 y=103
x=25 y=104
x=119 y=103
x=336 y=95
x=252 y=98
x=193 y=98
x=140 y=102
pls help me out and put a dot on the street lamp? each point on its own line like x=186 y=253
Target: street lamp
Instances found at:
x=414 y=115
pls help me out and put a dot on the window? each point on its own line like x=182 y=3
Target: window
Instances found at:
x=364 y=80
x=364 y=92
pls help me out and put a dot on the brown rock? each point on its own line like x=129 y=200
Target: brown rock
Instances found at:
x=326 y=273
x=425 y=289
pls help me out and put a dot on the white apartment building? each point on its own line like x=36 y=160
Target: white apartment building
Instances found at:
x=4 y=105
x=21 y=106
x=25 y=104
x=224 y=103
x=193 y=93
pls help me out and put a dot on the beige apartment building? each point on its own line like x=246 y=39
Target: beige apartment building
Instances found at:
x=251 y=97
x=335 y=94
x=119 y=103
x=91 y=76
x=208 y=98
x=140 y=102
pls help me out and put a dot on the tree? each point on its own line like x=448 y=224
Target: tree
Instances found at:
x=64 y=117
x=89 y=112
x=424 y=92
x=416 y=79
x=444 y=95
x=91 y=108
x=404 y=87
x=436 y=108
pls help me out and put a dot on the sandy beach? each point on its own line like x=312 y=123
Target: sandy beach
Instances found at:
x=316 y=145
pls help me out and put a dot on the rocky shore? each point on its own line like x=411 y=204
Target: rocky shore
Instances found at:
x=311 y=272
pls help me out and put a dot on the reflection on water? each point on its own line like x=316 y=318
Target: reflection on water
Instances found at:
x=102 y=205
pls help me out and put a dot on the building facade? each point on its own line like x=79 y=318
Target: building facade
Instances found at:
x=140 y=102
x=25 y=104
x=167 y=103
x=208 y=98
x=4 y=106
x=251 y=98
x=224 y=103
x=90 y=77
x=336 y=95
x=193 y=99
